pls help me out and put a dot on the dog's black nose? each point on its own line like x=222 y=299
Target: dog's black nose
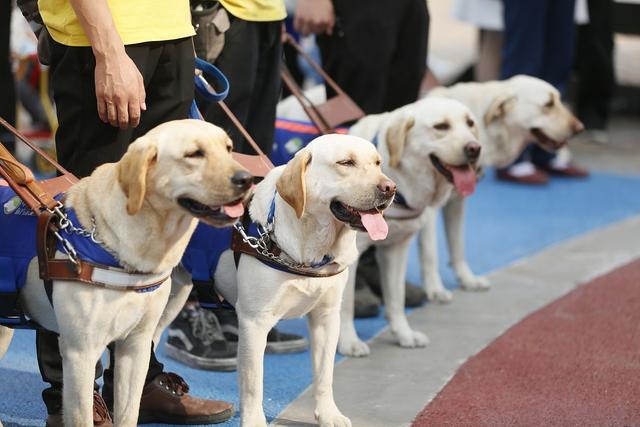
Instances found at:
x=472 y=150
x=387 y=186
x=242 y=179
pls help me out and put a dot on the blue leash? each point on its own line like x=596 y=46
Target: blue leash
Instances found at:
x=205 y=89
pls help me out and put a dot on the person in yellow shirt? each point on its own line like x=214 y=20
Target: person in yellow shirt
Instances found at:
x=118 y=69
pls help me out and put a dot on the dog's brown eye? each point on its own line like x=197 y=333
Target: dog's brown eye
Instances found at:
x=378 y=162
x=229 y=148
x=550 y=104
x=470 y=123
x=348 y=162
x=442 y=126
x=195 y=154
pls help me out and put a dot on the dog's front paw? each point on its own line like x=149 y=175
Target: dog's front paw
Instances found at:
x=253 y=421
x=354 y=348
x=475 y=283
x=331 y=417
x=412 y=339
x=442 y=296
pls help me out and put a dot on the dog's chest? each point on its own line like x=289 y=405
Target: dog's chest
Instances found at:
x=300 y=296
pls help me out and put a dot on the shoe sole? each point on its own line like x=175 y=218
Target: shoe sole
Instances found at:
x=293 y=346
x=182 y=420
x=224 y=365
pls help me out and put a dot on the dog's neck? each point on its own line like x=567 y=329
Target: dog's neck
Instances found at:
x=307 y=239
x=151 y=241
x=421 y=185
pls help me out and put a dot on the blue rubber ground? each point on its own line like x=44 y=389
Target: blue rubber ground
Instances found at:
x=504 y=222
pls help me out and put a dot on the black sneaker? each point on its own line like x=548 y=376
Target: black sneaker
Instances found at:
x=196 y=339
x=277 y=342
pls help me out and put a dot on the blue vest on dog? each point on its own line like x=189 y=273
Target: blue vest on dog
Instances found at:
x=204 y=250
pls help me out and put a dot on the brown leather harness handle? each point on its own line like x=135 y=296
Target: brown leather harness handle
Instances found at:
x=335 y=111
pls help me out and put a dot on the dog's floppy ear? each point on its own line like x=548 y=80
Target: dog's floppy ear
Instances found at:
x=396 y=137
x=499 y=107
x=132 y=172
x=291 y=186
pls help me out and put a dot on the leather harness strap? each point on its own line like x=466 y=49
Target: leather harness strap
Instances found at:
x=39 y=197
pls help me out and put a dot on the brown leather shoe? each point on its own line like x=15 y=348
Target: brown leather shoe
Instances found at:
x=537 y=177
x=165 y=400
x=570 y=171
x=100 y=414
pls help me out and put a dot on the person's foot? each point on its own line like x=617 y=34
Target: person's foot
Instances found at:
x=597 y=136
x=569 y=170
x=277 y=341
x=523 y=173
x=165 y=400
x=195 y=338
x=101 y=416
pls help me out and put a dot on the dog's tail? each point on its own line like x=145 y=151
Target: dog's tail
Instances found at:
x=5 y=339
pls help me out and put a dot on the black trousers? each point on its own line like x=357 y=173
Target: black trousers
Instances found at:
x=84 y=142
x=7 y=82
x=594 y=65
x=378 y=51
x=250 y=59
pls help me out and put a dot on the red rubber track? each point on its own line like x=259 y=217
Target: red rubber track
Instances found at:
x=575 y=362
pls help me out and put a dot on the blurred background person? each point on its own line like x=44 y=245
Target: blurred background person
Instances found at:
x=539 y=40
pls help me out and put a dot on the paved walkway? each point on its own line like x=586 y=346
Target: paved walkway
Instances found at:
x=391 y=386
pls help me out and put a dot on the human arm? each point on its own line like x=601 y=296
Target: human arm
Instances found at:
x=314 y=17
x=119 y=85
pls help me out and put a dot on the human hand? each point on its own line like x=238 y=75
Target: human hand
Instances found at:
x=314 y=17
x=119 y=90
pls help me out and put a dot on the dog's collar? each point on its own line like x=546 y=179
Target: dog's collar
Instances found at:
x=252 y=238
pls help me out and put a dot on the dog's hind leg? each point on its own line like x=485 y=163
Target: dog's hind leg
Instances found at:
x=5 y=339
x=181 y=287
x=454 y=226
x=349 y=344
x=393 y=268
x=428 y=244
x=324 y=327
x=252 y=340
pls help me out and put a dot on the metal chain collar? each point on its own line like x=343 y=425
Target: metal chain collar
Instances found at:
x=261 y=245
x=65 y=224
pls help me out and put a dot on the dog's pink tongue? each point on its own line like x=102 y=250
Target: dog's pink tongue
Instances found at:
x=234 y=211
x=464 y=179
x=375 y=224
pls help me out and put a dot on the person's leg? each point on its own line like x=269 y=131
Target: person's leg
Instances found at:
x=239 y=62
x=524 y=37
x=523 y=53
x=266 y=91
x=594 y=66
x=489 y=55
x=7 y=82
x=559 y=44
x=359 y=52
x=409 y=61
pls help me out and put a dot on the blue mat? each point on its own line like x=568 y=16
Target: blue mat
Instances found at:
x=504 y=222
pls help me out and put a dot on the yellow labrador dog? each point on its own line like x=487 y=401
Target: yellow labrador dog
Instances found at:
x=513 y=112
x=144 y=209
x=428 y=148
x=313 y=207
